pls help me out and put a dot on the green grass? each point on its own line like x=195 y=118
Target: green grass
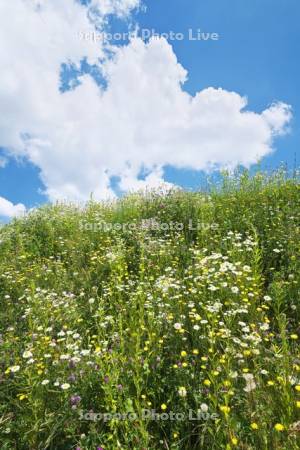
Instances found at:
x=200 y=312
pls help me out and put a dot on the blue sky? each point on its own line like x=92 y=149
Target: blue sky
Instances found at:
x=256 y=56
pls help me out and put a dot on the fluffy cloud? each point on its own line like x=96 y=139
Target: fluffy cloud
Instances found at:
x=142 y=121
x=8 y=209
x=118 y=7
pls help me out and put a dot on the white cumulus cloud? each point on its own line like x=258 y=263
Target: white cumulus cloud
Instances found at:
x=142 y=121
x=9 y=210
x=118 y=7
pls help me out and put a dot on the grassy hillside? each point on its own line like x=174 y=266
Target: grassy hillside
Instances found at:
x=186 y=304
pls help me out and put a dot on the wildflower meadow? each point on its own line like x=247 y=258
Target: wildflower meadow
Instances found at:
x=162 y=320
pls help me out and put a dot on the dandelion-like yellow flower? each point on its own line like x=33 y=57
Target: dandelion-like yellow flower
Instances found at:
x=225 y=409
x=254 y=426
x=279 y=427
x=294 y=336
x=183 y=353
x=297 y=388
x=207 y=382
x=163 y=407
x=234 y=440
